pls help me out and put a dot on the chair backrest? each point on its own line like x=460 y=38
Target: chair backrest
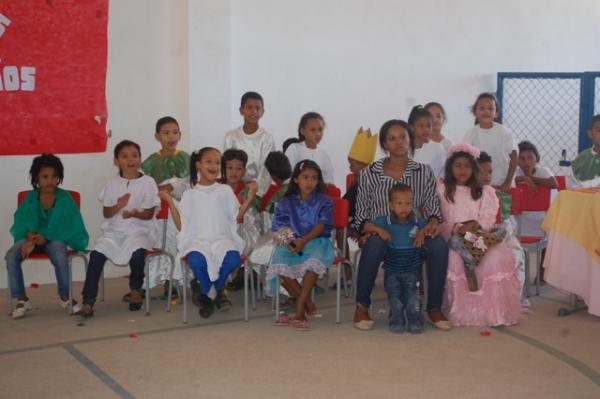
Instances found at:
x=164 y=210
x=74 y=194
x=341 y=209
x=333 y=191
x=350 y=177
x=562 y=182
x=534 y=201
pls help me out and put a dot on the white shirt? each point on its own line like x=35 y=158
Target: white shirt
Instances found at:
x=432 y=154
x=297 y=152
x=498 y=142
x=209 y=225
x=257 y=146
x=121 y=237
x=531 y=221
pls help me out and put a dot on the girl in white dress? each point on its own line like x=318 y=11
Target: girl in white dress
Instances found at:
x=129 y=200
x=207 y=222
x=426 y=150
x=438 y=120
x=310 y=133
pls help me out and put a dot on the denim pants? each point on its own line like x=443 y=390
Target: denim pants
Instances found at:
x=372 y=254
x=401 y=289
x=56 y=251
x=197 y=263
x=94 y=272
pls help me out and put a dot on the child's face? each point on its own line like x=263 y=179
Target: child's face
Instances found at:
x=209 y=166
x=252 y=110
x=594 y=135
x=47 y=179
x=307 y=181
x=401 y=204
x=422 y=129
x=437 y=118
x=462 y=170
x=485 y=173
x=485 y=112
x=234 y=171
x=128 y=160
x=168 y=136
x=397 y=141
x=313 y=132
x=356 y=166
x=527 y=161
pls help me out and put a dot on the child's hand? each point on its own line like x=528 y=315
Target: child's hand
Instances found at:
x=471 y=226
x=364 y=238
x=385 y=236
x=129 y=214
x=27 y=248
x=39 y=239
x=505 y=187
x=513 y=156
x=529 y=182
x=432 y=228
x=123 y=200
x=298 y=246
x=240 y=216
x=167 y=187
x=420 y=238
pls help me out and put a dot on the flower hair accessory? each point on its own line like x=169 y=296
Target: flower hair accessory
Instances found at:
x=464 y=147
x=301 y=165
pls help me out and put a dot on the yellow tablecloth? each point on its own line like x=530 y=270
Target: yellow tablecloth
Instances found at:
x=575 y=214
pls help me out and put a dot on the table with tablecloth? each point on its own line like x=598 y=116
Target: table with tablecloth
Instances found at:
x=572 y=259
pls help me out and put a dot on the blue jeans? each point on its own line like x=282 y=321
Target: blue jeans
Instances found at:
x=56 y=251
x=372 y=254
x=401 y=289
x=94 y=272
x=197 y=263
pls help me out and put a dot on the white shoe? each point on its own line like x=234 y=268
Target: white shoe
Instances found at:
x=19 y=311
x=65 y=305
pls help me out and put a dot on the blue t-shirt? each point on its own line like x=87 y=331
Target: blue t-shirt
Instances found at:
x=401 y=254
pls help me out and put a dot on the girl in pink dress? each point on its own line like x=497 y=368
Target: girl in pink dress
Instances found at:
x=467 y=206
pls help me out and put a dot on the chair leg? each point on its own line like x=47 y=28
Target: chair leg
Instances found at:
x=276 y=296
x=526 y=282
x=538 y=267
x=246 y=294
x=147 y=295
x=338 y=292
x=252 y=291
x=171 y=285
x=70 y=271
x=184 y=289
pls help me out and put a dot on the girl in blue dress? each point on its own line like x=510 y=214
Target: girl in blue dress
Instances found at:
x=302 y=225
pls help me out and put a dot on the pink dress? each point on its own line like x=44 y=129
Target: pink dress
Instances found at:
x=498 y=300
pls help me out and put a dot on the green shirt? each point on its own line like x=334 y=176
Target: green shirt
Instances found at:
x=505 y=204
x=61 y=222
x=164 y=168
x=587 y=165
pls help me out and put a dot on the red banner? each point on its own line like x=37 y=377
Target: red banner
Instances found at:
x=53 y=76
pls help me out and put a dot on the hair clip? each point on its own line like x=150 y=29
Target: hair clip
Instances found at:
x=301 y=166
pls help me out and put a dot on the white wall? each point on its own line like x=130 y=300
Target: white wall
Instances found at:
x=357 y=62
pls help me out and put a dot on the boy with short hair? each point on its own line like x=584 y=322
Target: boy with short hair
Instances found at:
x=255 y=140
x=585 y=168
x=403 y=260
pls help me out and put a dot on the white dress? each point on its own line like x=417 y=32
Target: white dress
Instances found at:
x=257 y=146
x=432 y=154
x=297 y=152
x=531 y=221
x=121 y=237
x=498 y=142
x=208 y=225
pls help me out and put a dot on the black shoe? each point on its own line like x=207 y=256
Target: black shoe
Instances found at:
x=195 y=287
x=207 y=306
x=222 y=302
x=134 y=307
x=238 y=281
x=127 y=297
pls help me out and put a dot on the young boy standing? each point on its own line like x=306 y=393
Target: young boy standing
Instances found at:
x=403 y=259
x=256 y=141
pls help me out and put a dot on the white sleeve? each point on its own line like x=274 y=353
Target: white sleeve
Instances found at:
x=328 y=172
x=106 y=196
x=150 y=199
x=292 y=154
x=263 y=178
x=468 y=137
x=543 y=172
x=509 y=141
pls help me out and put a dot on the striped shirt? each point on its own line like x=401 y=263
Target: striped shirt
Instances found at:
x=374 y=185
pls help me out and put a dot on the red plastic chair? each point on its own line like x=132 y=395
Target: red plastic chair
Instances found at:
x=562 y=182
x=43 y=256
x=333 y=191
x=534 y=201
x=350 y=178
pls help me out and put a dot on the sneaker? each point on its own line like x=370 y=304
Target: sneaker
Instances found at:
x=415 y=328
x=238 y=280
x=65 y=305
x=222 y=301
x=397 y=328
x=207 y=306
x=22 y=307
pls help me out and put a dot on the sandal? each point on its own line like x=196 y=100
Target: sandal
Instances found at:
x=300 y=325
x=86 y=311
x=283 y=320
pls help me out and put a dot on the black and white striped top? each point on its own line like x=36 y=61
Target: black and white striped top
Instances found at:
x=374 y=185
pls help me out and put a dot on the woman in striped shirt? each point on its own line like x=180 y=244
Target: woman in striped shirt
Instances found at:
x=374 y=182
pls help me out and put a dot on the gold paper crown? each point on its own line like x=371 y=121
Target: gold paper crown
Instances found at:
x=364 y=146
